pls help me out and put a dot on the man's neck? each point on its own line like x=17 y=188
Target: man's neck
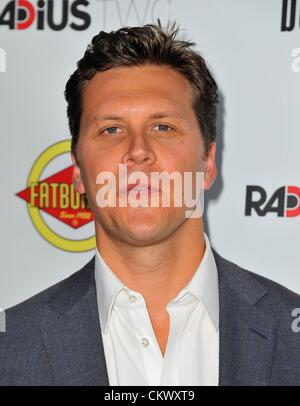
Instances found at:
x=157 y=271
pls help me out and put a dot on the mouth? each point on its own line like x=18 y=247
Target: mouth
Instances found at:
x=141 y=188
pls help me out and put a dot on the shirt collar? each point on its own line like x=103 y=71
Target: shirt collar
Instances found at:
x=203 y=285
x=108 y=286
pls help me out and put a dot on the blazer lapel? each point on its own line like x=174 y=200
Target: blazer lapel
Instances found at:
x=72 y=334
x=247 y=336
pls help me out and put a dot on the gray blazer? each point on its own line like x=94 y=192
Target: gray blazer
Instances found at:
x=54 y=338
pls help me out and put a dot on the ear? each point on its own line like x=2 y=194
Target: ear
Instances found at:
x=76 y=177
x=211 y=172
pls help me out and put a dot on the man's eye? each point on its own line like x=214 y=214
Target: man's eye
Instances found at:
x=111 y=130
x=163 y=127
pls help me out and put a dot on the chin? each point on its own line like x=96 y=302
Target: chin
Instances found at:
x=144 y=237
x=143 y=226
x=149 y=229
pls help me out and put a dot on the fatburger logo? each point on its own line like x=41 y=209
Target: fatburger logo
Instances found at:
x=22 y=14
x=56 y=195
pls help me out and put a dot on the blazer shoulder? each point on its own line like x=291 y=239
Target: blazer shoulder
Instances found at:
x=23 y=357
x=30 y=310
x=270 y=305
x=248 y=282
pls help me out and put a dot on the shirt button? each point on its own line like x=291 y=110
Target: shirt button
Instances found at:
x=132 y=299
x=145 y=342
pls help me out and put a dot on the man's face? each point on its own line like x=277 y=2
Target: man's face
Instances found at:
x=142 y=117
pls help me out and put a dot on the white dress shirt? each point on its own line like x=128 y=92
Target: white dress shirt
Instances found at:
x=133 y=356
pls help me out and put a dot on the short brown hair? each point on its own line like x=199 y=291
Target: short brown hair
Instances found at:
x=149 y=44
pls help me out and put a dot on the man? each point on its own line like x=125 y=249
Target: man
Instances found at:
x=156 y=305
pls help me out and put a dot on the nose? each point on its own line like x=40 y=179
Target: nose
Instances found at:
x=139 y=152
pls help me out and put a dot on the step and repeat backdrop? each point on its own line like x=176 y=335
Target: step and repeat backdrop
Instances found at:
x=252 y=211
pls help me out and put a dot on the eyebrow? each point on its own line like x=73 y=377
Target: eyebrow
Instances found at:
x=162 y=114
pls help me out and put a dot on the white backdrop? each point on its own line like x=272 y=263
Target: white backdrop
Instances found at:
x=257 y=67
